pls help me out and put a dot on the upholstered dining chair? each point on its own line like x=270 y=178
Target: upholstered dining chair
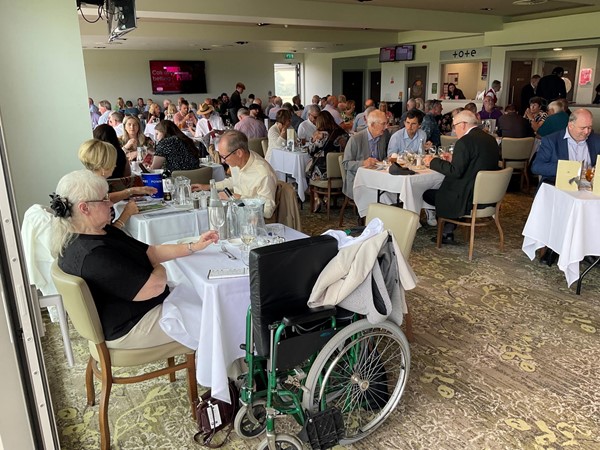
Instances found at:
x=199 y=176
x=265 y=145
x=84 y=316
x=403 y=224
x=516 y=153
x=332 y=186
x=255 y=145
x=490 y=188
x=448 y=140
x=347 y=200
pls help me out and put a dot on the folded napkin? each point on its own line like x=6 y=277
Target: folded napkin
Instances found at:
x=397 y=169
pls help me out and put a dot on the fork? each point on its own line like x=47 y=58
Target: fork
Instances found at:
x=226 y=252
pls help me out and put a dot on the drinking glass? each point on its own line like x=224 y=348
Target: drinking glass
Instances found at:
x=141 y=154
x=432 y=150
x=248 y=234
x=168 y=189
x=216 y=217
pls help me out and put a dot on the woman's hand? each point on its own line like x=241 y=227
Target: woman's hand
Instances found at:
x=131 y=144
x=143 y=190
x=130 y=209
x=427 y=160
x=205 y=240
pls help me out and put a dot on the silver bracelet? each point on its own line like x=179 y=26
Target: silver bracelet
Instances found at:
x=190 y=249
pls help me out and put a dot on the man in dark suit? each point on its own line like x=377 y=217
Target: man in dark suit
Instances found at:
x=475 y=150
x=365 y=148
x=576 y=143
x=512 y=125
x=552 y=86
x=528 y=92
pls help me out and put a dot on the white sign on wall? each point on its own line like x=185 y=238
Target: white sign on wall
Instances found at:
x=465 y=54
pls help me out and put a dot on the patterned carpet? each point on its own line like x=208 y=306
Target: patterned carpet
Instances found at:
x=505 y=357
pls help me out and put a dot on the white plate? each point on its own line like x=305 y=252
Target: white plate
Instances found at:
x=188 y=240
x=235 y=241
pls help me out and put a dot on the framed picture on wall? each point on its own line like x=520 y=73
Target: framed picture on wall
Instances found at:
x=452 y=78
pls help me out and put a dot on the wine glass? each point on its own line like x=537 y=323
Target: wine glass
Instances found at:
x=216 y=217
x=248 y=233
x=432 y=150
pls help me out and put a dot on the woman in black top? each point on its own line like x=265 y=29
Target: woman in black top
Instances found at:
x=174 y=150
x=106 y=133
x=454 y=92
x=126 y=278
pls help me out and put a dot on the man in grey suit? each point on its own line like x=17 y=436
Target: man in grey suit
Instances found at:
x=475 y=150
x=365 y=148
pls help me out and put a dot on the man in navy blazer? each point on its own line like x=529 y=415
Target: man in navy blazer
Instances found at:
x=576 y=143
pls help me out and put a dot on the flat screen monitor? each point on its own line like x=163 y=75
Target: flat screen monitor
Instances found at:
x=387 y=54
x=178 y=77
x=405 y=53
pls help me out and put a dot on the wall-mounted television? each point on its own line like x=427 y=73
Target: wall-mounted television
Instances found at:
x=405 y=53
x=178 y=77
x=387 y=54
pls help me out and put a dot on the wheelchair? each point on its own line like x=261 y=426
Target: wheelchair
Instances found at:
x=336 y=374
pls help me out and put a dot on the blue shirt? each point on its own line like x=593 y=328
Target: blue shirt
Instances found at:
x=400 y=142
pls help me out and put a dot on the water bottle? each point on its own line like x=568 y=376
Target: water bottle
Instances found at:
x=421 y=150
x=214 y=195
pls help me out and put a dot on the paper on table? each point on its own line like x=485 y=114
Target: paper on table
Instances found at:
x=568 y=174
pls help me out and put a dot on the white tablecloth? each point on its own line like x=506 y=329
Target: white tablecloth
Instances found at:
x=410 y=188
x=210 y=315
x=566 y=222
x=291 y=163
x=218 y=170
x=164 y=225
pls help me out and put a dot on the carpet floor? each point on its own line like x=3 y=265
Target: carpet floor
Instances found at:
x=506 y=356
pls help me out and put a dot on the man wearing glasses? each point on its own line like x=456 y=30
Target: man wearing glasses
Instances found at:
x=577 y=143
x=475 y=150
x=251 y=175
x=365 y=148
x=308 y=127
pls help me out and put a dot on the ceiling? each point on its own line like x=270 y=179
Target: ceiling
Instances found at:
x=325 y=26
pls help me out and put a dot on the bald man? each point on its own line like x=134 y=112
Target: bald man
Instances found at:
x=474 y=150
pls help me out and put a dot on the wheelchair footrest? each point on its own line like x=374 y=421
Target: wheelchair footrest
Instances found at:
x=324 y=429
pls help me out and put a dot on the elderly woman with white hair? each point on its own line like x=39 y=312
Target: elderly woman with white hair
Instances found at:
x=125 y=276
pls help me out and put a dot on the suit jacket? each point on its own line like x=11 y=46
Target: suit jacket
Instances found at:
x=513 y=125
x=356 y=151
x=555 y=147
x=551 y=87
x=527 y=93
x=475 y=151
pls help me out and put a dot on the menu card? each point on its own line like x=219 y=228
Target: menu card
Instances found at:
x=568 y=174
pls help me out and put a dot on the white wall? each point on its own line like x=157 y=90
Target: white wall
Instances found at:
x=43 y=99
x=317 y=76
x=120 y=73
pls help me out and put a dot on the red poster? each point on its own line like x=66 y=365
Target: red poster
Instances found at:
x=585 y=77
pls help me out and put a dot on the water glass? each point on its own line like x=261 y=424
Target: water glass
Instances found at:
x=277 y=232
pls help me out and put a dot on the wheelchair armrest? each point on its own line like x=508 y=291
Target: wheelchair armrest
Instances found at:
x=315 y=314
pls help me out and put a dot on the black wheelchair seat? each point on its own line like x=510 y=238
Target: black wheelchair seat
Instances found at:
x=281 y=279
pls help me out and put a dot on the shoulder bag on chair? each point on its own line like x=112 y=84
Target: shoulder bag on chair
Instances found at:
x=214 y=415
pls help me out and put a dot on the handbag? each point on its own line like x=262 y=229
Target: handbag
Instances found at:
x=214 y=415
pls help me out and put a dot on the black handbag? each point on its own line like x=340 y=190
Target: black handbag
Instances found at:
x=214 y=415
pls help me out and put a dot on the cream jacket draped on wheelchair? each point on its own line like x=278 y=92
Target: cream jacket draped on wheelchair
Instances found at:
x=364 y=275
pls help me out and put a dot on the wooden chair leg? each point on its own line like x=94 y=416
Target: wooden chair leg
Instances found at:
x=341 y=224
x=440 y=230
x=472 y=234
x=408 y=326
x=312 y=199
x=328 y=201
x=106 y=376
x=497 y=220
x=89 y=382
x=171 y=363
x=192 y=383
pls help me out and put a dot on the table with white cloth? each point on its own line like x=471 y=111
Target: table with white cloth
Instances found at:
x=170 y=223
x=566 y=222
x=285 y=162
x=218 y=170
x=410 y=188
x=210 y=315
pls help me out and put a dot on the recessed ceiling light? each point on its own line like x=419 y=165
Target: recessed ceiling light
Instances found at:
x=363 y=1
x=263 y=24
x=557 y=49
x=365 y=28
x=486 y=9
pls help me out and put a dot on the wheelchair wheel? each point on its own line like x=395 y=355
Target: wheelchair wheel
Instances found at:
x=282 y=442
x=242 y=424
x=362 y=371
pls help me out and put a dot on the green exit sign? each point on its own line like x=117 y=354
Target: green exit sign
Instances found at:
x=289 y=56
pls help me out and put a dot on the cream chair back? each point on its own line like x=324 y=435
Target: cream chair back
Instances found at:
x=401 y=222
x=79 y=303
x=256 y=145
x=447 y=140
x=516 y=151
x=490 y=188
x=196 y=176
x=333 y=165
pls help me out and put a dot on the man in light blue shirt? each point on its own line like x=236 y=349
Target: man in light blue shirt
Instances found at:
x=411 y=137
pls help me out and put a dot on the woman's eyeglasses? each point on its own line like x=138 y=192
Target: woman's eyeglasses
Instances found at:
x=105 y=199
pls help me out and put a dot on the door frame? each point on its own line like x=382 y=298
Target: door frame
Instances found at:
x=427 y=94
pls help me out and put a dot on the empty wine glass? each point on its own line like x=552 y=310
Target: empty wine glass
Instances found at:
x=216 y=217
x=432 y=150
